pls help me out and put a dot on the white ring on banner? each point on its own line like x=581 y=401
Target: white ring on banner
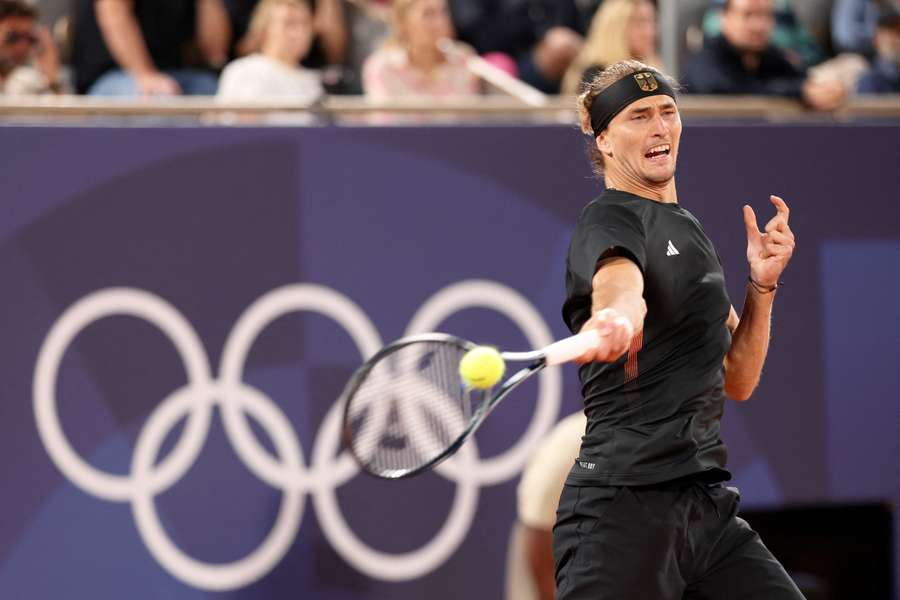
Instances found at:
x=330 y=467
x=154 y=310
x=190 y=570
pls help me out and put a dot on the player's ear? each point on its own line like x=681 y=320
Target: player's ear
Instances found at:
x=603 y=144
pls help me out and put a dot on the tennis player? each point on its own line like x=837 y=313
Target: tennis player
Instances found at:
x=644 y=514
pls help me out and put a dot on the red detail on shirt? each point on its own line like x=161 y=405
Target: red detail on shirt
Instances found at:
x=631 y=363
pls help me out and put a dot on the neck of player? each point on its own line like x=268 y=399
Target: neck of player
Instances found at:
x=664 y=192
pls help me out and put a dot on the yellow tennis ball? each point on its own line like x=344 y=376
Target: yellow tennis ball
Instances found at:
x=481 y=367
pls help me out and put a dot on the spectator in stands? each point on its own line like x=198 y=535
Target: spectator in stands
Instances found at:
x=542 y=36
x=369 y=25
x=789 y=34
x=331 y=38
x=29 y=60
x=743 y=61
x=144 y=47
x=853 y=24
x=414 y=61
x=621 y=29
x=282 y=32
x=884 y=76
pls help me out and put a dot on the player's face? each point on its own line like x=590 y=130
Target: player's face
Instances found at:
x=641 y=142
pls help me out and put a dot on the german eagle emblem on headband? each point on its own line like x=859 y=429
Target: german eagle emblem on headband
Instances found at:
x=646 y=81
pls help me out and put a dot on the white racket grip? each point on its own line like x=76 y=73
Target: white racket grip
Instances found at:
x=571 y=348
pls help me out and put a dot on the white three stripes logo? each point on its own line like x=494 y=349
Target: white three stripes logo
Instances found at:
x=672 y=251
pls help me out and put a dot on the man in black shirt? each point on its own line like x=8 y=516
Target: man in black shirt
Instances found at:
x=149 y=47
x=743 y=61
x=643 y=514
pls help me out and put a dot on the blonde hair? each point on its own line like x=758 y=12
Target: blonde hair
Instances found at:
x=259 y=21
x=606 y=42
x=594 y=88
x=399 y=10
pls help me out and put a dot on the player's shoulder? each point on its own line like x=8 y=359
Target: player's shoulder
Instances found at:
x=610 y=206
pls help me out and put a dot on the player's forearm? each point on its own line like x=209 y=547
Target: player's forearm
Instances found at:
x=123 y=36
x=619 y=285
x=749 y=345
x=213 y=31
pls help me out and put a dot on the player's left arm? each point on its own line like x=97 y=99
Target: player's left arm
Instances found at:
x=768 y=253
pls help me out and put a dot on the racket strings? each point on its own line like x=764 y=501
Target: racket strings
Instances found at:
x=410 y=408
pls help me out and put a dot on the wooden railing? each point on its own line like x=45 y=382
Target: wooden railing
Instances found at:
x=352 y=109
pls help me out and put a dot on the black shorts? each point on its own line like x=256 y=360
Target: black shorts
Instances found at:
x=675 y=540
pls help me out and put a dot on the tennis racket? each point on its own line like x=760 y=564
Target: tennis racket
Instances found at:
x=408 y=408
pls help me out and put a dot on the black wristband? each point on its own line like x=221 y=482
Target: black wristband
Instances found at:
x=762 y=289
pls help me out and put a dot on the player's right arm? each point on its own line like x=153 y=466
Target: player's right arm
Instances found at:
x=617 y=307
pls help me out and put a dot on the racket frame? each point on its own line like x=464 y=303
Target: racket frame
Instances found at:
x=536 y=362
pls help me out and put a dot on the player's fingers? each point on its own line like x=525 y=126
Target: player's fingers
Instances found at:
x=781 y=206
x=605 y=329
x=780 y=237
x=601 y=351
x=750 y=223
x=776 y=250
x=612 y=341
x=587 y=357
x=617 y=344
x=609 y=355
x=775 y=223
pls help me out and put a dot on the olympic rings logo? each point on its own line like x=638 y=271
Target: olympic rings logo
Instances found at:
x=289 y=473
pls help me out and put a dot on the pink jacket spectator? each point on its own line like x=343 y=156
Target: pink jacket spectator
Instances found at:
x=388 y=74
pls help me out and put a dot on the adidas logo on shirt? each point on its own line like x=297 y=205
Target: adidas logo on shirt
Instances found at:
x=672 y=251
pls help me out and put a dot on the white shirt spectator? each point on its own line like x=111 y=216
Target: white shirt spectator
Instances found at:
x=259 y=77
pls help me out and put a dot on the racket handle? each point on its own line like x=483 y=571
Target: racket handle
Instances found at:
x=572 y=347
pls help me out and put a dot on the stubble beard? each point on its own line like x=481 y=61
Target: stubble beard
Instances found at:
x=657 y=179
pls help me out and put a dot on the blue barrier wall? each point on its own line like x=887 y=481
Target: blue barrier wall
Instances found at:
x=260 y=265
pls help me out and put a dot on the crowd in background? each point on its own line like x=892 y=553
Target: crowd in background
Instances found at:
x=299 y=50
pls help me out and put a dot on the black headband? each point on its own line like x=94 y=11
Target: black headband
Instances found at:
x=616 y=97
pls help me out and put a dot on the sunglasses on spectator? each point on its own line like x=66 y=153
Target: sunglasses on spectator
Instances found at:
x=14 y=37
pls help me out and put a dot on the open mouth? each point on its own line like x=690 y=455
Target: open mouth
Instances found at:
x=658 y=152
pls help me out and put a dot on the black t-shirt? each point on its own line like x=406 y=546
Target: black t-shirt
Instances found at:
x=654 y=414
x=512 y=26
x=167 y=27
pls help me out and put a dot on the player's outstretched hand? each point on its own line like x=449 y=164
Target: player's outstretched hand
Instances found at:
x=770 y=251
x=615 y=332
